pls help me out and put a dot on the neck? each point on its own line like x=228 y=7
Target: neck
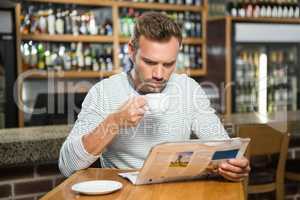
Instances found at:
x=135 y=80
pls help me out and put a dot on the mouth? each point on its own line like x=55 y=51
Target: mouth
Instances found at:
x=157 y=84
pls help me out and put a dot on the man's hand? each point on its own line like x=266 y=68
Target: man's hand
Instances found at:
x=131 y=112
x=235 y=169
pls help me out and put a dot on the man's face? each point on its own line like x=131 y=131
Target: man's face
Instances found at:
x=154 y=63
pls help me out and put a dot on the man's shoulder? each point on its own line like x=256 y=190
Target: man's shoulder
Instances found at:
x=184 y=80
x=111 y=81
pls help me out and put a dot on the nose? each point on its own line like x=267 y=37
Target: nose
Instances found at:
x=157 y=73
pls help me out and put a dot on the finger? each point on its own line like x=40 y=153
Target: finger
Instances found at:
x=140 y=101
x=140 y=111
x=241 y=162
x=232 y=176
x=232 y=168
x=137 y=120
x=146 y=108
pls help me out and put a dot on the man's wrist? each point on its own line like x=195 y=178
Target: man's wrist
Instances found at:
x=113 y=120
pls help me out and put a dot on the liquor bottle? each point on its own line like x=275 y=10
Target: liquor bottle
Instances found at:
x=59 y=63
x=188 y=2
x=275 y=11
x=87 y=58
x=280 y=11
x=68 y=20
x=48 y=60
x=130 y=21
x=108 y=27
x=123 y=22
x=95 y=54
x=25 y=21
x=249 y=10
x=93 y=30
x=181 y=22
x=186 y=61
x=74 y=20
x=33 y=20
x=269 y=11
x=187 y=24
x=59 y=22
x=25 y=50
x=197 y=2
x=79 y=56
x=256 y=11
x=68 y=59
x=234 y=9
x=74 y=62
x=297 y=12
x=263 y=11
x=42 y=20
x=193 y=57
x=198 y=26
x=198 y=57
x=33 y=56
x=241 y=9
x=51 y=22
x=179 y=2
x=83 y=29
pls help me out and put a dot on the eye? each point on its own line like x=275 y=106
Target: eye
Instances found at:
x=168 y=64
x=150 y=62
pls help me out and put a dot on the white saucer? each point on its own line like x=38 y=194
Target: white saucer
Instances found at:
x=97 y=187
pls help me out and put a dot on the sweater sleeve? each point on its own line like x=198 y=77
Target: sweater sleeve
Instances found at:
x=73 y=155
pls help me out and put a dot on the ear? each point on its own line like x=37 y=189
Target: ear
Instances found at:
x=131 y=51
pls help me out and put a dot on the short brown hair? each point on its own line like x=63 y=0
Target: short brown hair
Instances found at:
x=155 y=26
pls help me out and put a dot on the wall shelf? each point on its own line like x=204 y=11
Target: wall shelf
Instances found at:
x=68 y=38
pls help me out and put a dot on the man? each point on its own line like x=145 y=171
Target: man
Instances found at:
x=113 y=123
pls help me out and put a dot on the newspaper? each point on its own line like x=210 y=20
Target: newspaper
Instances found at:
x=186 y=160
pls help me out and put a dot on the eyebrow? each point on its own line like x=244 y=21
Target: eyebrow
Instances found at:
x=150 y=60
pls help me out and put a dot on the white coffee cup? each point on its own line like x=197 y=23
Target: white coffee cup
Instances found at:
x=157 y=102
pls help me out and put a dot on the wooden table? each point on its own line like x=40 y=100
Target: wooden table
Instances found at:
x=200 y=189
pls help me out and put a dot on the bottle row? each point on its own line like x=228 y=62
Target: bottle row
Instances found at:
x=266 y=2
x=178 y=2
x=189 y=22
x=263 y=9
x=246 y=97
x=65 y=19
x=95 y=57
x=281 y=80
x=67 y=56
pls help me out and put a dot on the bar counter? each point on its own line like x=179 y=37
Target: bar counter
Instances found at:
x=42 y=144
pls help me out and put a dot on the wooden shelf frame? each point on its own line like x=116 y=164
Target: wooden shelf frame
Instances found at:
x=160 y=6
x=265 y=19
x=192 y=72
x=114 y=39
x=107 y=3
x=127 y=4
x=257 y=19
x=72 y=74
x=192 y=41
x=68 y=38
